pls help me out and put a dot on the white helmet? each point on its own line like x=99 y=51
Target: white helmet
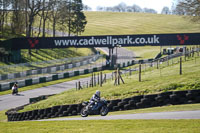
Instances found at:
x=98 y=93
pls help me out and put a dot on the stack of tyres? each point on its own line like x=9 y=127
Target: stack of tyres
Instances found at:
x=177 y=97
x=41 y=113
x=54 y=110
x=72 y=110
x=63 y=110
x=163 y=98
x=113 y=105
x=193 y=96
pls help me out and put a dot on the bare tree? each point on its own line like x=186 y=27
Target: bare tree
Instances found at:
x=190 y=8
x=55 y=14
x=18 y=16
x=165 y=10
x=86 y=8
x=34 y=7
x=4 y=10
x=149 y=10
x=46 y=6
x=136 y=8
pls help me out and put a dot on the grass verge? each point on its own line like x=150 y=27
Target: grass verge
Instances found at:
x=105 y=126
x=153 y=81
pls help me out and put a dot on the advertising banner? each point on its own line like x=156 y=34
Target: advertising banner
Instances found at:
x=107 y=41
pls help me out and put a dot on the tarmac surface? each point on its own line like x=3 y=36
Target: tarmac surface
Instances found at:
x=11 y=101
x=160 y=115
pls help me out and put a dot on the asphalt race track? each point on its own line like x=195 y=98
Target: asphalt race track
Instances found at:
x=161 y=115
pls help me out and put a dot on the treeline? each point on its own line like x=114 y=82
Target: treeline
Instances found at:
x=179 y=7
x=22 y=16
x=122 y=7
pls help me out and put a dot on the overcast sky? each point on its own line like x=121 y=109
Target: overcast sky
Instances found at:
x=155 y=4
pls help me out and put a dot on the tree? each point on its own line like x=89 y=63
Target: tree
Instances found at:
x=55 y=14
x=18 y=17
x=149 y=10
x=136 y=8
x=100 y=8
x=79 y=22
x=46 y=6
x=86 y=8
x=4 y=10
x=165 y=10
x=190 y=8
x=34 y=7
x=122 y=7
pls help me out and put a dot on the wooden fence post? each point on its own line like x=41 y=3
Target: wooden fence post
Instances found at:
x=180 y=65
x=140 y=73
x=101 y=79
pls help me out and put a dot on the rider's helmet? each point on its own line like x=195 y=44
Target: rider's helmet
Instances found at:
x=98 y=93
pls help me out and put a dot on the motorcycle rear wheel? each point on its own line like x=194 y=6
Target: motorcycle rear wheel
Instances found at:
x=84 y=112
x=104 y=111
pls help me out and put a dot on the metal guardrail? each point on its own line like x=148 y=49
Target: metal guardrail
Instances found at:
x=47 y=62
x=75 y=62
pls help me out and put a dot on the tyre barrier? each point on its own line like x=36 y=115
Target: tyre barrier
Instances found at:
x=136 y=102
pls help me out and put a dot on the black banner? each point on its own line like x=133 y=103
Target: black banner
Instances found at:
x=106 y=41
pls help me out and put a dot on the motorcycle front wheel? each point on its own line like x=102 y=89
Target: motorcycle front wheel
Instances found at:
x=104 y=111
x=84 y=112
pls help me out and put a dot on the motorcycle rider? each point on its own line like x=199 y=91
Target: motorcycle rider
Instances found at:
x=95 y=99
x=15 y=89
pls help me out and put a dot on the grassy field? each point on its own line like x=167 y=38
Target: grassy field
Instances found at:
x=146 y=52
x=103 y=126
x=163 y=126
x=153 y=81
x=115 y=23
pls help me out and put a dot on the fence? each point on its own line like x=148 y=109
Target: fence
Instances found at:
x=68 y=63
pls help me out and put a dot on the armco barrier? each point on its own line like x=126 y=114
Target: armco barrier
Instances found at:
x=51 y=69
x=136 y=102
x=27 y=82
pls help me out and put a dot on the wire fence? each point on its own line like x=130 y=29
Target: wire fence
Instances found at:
x=98 y=79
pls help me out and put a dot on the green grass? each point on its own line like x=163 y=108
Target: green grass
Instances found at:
x=169 y=108
x=115 y=23
x=103 y=126
x=145 y=52
x=108 y=126
x=153 y=81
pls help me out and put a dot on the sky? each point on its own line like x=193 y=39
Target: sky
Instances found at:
x=154 y=4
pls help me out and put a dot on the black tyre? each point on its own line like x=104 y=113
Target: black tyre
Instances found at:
x=137 y=98
x=180 y=93
x=84 y=112
x=110 y=106
x=115 y=108
x=104 y=111
x=127 y=107
x=152 y=97
x=132 y=102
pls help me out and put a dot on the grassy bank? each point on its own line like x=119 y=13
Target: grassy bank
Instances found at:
x=153 y=81
x=116 y=23
x=105 y=126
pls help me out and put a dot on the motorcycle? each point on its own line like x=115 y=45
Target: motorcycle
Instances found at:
x=15 y=91
x=101 y=108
